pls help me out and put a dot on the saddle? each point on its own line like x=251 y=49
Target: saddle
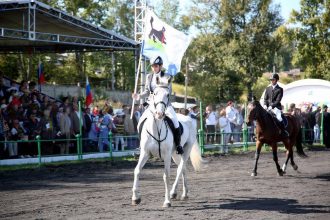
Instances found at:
x=169 y=123
x=284 y=119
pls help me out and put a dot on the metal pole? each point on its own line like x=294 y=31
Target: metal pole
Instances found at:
x=245 y=130
x=202 y=127
x=222 y=140
x=136 y=83
x=80 y=128
x=110 y=144
x=112 y=71
x=39 y=149
x=78 y=146
x=185 y=85
x=321 y=128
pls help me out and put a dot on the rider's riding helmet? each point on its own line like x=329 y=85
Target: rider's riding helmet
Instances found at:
x=157 y=60
x=275 y=76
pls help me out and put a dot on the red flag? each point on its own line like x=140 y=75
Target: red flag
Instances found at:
x=89 y=97
x=41 y=74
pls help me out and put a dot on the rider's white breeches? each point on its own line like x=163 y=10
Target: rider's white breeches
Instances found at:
x=172 y=115
x=278 y=113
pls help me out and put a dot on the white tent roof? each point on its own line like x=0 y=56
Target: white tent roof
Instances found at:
x=306 y=91
x=181 y=105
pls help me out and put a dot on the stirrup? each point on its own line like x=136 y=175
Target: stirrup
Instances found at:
x=179 y=149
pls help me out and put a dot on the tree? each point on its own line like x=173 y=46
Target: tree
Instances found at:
x=236 y=43
x=313 y=38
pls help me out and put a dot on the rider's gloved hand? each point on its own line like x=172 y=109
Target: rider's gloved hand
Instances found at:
x=136 y=96
x=265 y=107
x=270 y=108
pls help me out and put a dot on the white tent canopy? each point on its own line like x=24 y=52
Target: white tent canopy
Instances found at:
x=305 y=92
x=182 y=105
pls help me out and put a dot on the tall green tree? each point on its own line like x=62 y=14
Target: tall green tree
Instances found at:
x=313 y=38
x=236 y=43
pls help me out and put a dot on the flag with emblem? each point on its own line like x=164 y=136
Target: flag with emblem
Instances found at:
x=160 y=39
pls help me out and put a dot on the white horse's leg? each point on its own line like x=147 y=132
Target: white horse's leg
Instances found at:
x=136 y=199
x=178 y=174
x=166 y=177
x=184 y=183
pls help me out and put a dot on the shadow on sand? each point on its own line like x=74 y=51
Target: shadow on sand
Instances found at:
x=288 y=206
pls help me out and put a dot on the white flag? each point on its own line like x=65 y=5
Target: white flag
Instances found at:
x=160 y=39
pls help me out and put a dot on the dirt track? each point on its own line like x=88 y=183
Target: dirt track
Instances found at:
x=225 y=191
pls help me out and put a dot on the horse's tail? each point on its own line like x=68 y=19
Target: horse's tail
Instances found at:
x=196 y=157
x=299 y=147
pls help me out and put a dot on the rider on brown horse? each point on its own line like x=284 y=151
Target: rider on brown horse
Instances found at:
x=272 y=102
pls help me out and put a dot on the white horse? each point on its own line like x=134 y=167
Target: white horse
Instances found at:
x=157 y=140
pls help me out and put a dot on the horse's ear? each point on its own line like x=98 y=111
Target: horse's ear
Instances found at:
x=157 y=80
x=254 y=99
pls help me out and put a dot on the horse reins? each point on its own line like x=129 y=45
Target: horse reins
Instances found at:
x=158 y=140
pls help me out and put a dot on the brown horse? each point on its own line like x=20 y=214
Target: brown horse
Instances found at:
x=268 y=132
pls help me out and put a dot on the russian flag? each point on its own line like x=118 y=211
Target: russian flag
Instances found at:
x=41 y=74
x=89 y=97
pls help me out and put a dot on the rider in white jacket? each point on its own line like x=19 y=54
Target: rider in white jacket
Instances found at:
x=156 y=64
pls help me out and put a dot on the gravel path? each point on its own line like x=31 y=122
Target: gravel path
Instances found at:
x=224 y=191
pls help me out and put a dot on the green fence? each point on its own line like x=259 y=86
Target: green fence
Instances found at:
x=79 y=143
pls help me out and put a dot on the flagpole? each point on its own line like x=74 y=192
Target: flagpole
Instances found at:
x=38 y=72
x=136 y=82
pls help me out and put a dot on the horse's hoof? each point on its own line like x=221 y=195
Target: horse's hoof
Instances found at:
x=254 y=174
x=167 y=205
x=136 y=202
x=173 y=196
x=295 y=167
x=184 y=198
x=280 y=173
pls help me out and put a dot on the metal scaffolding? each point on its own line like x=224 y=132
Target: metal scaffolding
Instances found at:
x=32 y=25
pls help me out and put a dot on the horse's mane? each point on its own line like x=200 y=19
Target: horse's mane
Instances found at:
x=261 y=112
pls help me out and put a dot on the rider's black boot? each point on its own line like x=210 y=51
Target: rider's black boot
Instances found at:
x=177 y=140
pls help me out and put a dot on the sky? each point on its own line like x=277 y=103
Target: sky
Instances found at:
x=286 y=6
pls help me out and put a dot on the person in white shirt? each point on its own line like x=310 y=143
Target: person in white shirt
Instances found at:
x=231 y=114
x=225 y=130
x=210 y=122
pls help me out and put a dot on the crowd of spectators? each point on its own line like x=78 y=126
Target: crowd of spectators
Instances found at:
x=26 y=113
x=228 y=119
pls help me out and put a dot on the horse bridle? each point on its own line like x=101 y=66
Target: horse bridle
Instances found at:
x=162 y=102
x=160 y=131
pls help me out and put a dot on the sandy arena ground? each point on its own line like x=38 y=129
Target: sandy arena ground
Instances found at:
x=224 y=191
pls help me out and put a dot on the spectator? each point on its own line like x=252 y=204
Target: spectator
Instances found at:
x=48 y=132
x=130 y=129
x=225 y=129
x=326 y=126
x=231 y=114
x=33 y=127
x=106 y=126
x=194 y=114
x=93 y=133
x=210 y=121
x=317 y=124
x=76 y=119
x=238 y=124
x=65 y=130
x=3 y=133
x=88 y=124
x=16 y=133
x=118 y=121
